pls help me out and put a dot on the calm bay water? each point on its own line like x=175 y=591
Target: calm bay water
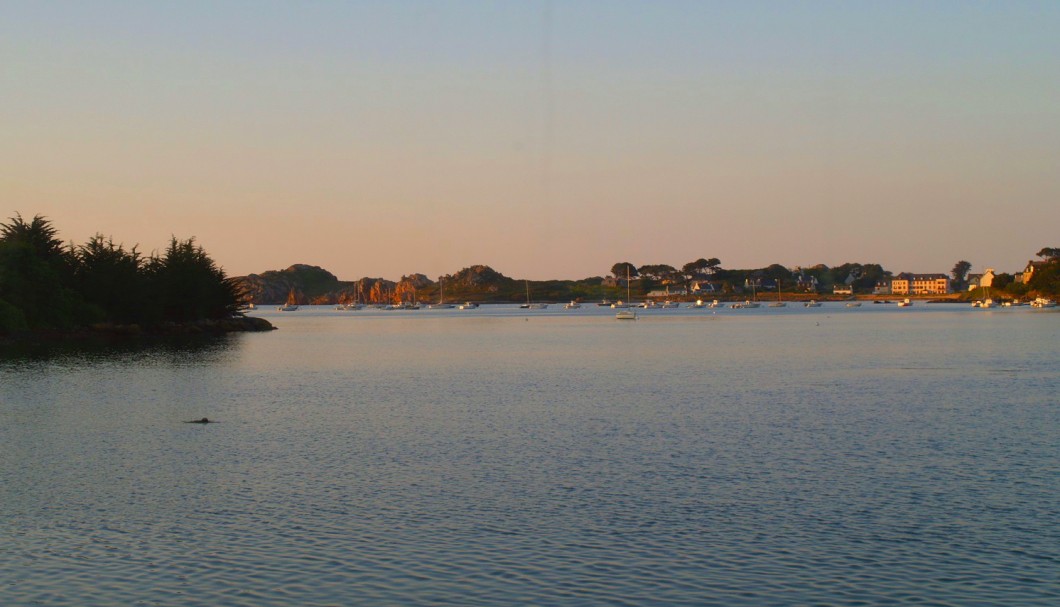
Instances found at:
x=789 y=456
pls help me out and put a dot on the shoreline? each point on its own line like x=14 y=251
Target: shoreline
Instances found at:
x=112 y=332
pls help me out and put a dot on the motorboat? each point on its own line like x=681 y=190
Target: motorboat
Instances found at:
x=697 y=304
x=1043 y=302
x=905 y=303
x=853 y=304
x=467 y=305
x=813 y=303
x=572 y=306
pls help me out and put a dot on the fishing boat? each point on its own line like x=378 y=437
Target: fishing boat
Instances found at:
x=572 y=306
x=467 y=305
x=905 y=303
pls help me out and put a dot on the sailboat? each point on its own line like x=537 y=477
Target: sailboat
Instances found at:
x=292 y=303
x=529 y=305
x=778 y=303
x=627 y=313
x=750 y=303
x=441 y=305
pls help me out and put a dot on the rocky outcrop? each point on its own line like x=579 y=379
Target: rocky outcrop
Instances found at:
x=305 y=282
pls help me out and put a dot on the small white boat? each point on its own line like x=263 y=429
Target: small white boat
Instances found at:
x=853 y=304
x=626 y=314
x=813 y=303
x=670 y=304
x=619 y=305
x=287 y=308
x=467 y=305
x=1043 y=302
x=778 y=304
x=714 y=304
x=697 y=304
x=572 y=306
x=745 y=304
x=905 y=303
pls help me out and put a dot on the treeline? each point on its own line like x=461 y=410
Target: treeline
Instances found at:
x=46 y=285
x=863 y=277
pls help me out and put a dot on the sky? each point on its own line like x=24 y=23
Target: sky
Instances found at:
x=544 y=139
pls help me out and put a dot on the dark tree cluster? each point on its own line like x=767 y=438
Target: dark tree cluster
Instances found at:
x=46 y=285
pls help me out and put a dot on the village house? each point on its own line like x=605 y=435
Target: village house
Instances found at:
x=704 y=286
x=843 y=289
x=981 y=281
x=883 y=286
x=920 y=284
x=1028 y=272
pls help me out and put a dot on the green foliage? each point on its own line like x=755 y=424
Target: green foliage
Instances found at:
x=1046 y=278
x=111 y=278
x=34 y=273
x=188 y=285
x=960 y=272
x=11 y=319
x=623 y=269
x=1049 y=253
x=46 y=286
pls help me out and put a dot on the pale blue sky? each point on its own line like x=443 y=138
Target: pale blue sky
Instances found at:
x=548 y=140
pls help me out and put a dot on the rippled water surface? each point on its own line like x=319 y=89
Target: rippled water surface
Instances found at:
x=493 y=457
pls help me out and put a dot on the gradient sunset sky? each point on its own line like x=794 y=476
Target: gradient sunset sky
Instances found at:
x=545 y=139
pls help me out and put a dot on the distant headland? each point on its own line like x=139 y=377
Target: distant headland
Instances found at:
x=305 y=284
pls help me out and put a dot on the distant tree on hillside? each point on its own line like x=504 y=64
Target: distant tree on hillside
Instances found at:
x=620 y=269
x=960 y=272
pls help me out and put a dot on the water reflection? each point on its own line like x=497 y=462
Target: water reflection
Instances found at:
x=170 y=351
